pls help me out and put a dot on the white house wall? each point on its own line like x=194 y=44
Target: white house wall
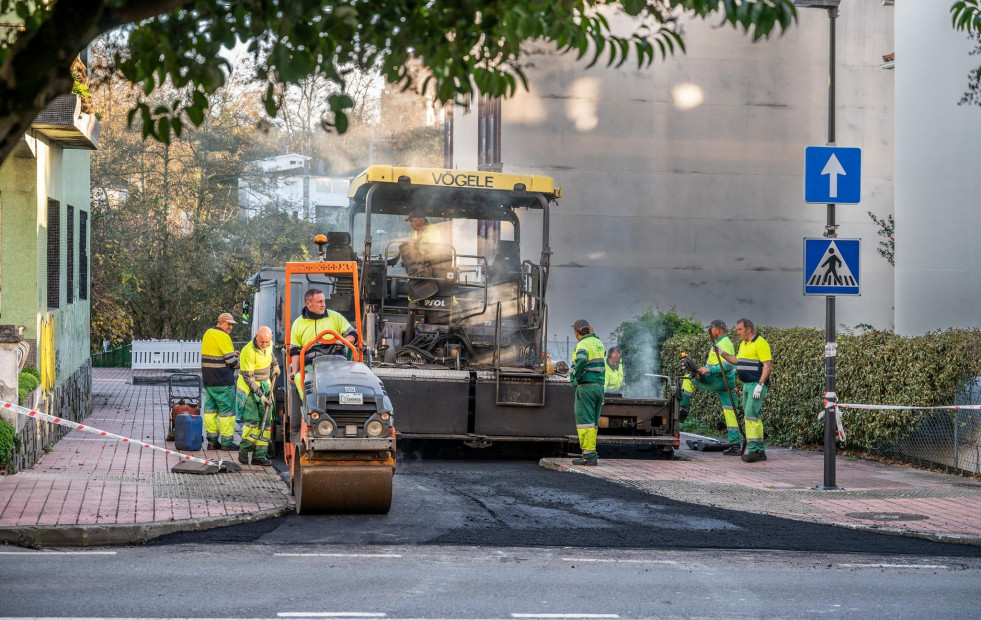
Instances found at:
x=683 y=182
x=938 y=147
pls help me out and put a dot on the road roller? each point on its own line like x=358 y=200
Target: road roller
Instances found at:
x=340 y=435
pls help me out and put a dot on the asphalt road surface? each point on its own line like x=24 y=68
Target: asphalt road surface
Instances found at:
x=509 y=540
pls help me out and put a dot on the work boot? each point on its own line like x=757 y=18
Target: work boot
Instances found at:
x=243 y=457
x=231 y=447
x=214 y=444
x=732 y=450
x=682 y=414
x=754 y=457
x=263 y=461
x=586 y=462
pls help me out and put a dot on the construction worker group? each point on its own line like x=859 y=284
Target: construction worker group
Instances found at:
x=595 y=372
x=250 y=394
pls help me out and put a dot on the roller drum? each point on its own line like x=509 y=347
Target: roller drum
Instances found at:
x=343 y=489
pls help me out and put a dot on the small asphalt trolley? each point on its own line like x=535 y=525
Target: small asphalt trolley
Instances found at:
x=184 y=393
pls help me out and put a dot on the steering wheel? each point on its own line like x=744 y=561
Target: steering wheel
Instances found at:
x=328 y=337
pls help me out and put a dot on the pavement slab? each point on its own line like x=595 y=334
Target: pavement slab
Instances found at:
x=875 y=496
x=93 y=490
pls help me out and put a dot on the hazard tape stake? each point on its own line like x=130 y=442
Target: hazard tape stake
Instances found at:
x=31 y=413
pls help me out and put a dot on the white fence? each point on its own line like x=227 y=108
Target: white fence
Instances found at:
x=166 y=354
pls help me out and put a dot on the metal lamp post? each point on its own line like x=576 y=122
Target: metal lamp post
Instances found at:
x=831 y=232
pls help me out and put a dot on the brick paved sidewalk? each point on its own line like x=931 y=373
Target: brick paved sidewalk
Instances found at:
x=91 y=490
x=876 y=496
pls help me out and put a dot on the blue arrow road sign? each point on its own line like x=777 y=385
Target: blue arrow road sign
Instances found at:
x=831 y=266
x=832 y=175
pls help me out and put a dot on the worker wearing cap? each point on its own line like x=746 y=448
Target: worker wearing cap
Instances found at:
x=314 y=319
x=614 y=370
x=711 y=379
x=754 y=363
x=422 y=231
x=258 y=370
x=588 y=374
x=219 y=359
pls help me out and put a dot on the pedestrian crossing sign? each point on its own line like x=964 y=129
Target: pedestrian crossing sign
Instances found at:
x=831 y=266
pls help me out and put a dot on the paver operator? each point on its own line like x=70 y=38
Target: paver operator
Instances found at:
x=754 y=363
x=588 y=375
x=258 y=370
x=712 y=380
x=219 y=359
x=314 y=319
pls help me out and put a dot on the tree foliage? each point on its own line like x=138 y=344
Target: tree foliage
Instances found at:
x=641 y=339
x=465 y=45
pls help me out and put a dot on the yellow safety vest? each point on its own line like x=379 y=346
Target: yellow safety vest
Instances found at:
x=255 y=365
x=218 y=359
x=589 y=361
x=614 y=376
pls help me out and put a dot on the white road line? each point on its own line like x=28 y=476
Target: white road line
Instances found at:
x=329 y=614
x=337 y=555
x=565 y=616
x=616 y=561
x=56 y=553
x=893 y=565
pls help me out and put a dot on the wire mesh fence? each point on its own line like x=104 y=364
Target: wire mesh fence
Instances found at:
x=946 y=439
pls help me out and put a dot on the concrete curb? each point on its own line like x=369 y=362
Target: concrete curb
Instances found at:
x=942 y=537
x=37 y=536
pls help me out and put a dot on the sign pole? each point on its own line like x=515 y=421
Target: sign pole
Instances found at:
x=830 y=348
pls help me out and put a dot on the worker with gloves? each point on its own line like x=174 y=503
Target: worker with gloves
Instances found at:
x=258 y=371
x=719 y=377
x=219 y=359
x=754 y=363
x=614 y=370
x=588 y=375
x=314 y=319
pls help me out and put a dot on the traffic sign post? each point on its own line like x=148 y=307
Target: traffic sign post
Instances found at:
x=832 y=175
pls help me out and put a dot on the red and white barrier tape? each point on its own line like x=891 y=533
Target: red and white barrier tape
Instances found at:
x=854 y=406
x=30 y=413
x=837 y=406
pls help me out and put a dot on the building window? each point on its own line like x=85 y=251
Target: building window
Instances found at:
x=489 y=134
x=54 y=254
x=70 y=260
x=83 y=255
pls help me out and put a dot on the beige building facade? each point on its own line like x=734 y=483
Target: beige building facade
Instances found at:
x=683 y=182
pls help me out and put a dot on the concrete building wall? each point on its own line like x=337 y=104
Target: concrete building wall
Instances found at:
x=683 y=182
x=938 y=147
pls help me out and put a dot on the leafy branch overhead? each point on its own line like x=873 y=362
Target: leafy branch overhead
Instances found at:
x=464 y=44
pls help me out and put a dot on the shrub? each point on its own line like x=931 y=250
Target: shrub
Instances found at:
x=875 y=367
x=8 y=441
x=33 y=371
x=26 y=383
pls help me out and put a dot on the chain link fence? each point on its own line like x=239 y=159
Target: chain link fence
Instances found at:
x=946 y=439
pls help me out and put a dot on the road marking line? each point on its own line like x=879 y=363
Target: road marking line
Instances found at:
x=329 y=614
x=57 y=553
x=338 y=555
x=565 y=616
x=893 y=565
x=616 y=561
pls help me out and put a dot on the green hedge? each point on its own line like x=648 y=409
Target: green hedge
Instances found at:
x=874 y=367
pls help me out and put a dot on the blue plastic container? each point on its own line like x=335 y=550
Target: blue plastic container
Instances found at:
x=188 y=432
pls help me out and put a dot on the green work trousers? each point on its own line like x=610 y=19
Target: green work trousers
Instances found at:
x=255 y=434
x=752 y=412
x=715 y=384
x=219 y=414
x=589 y=403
